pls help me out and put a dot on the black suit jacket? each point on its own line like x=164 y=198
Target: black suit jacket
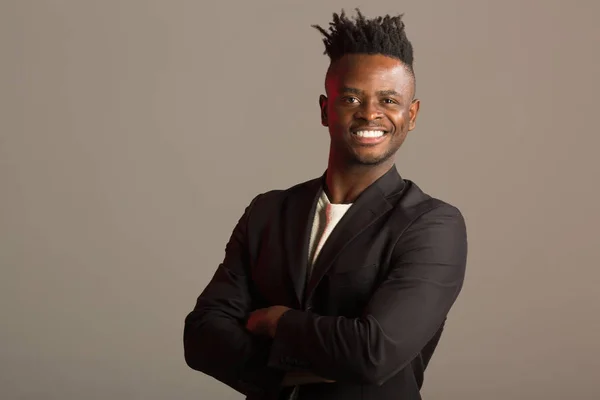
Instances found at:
x=369 y=318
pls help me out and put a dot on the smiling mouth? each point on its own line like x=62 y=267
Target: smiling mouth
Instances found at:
x=369 y=137
x=369 y=133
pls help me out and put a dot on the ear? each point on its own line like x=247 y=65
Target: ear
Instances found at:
x=323 y=107
x=413 y=111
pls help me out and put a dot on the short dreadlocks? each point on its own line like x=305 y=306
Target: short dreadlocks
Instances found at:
x=381 y=35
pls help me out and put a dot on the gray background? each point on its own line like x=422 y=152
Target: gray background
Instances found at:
x=134 y=133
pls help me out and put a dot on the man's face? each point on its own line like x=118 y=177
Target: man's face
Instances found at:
x=369 y=108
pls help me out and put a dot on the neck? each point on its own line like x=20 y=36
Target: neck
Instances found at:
x=345 y=183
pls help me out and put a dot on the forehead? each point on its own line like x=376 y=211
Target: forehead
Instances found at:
x=369 y=73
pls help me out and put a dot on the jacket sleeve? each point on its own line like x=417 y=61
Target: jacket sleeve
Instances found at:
x=215 y=339
x=404 y=313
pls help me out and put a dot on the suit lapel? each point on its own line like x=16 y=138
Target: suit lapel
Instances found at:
x=371 y=205
x=298 y=214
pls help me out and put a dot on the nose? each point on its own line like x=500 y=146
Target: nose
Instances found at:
x=369 y=111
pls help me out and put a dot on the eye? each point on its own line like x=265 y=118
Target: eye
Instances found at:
x=350 y=100
x=389 y=101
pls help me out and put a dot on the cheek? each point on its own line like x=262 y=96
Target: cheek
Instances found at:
x=402 y=121
x=339 y=117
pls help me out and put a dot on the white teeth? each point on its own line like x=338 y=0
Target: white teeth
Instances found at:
x=369 y=134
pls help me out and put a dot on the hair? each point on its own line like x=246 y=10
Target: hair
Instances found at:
x=381 y=35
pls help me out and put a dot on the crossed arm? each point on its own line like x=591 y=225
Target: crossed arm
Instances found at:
x=216 y=339
x=263 y=350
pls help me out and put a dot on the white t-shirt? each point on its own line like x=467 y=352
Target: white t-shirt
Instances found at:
x=326 y=217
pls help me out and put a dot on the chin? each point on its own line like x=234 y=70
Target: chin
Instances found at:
x=371 y=159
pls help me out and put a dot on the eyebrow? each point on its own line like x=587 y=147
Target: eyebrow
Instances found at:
x=352 y=90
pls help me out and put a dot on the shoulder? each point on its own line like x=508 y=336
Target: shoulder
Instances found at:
x=417 y=206
x=427 y=226
x=430 y=227
x=272 y=200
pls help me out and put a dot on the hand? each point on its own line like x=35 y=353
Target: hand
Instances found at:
x=264 y=320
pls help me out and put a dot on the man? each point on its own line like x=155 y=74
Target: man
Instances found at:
x=339 y=287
